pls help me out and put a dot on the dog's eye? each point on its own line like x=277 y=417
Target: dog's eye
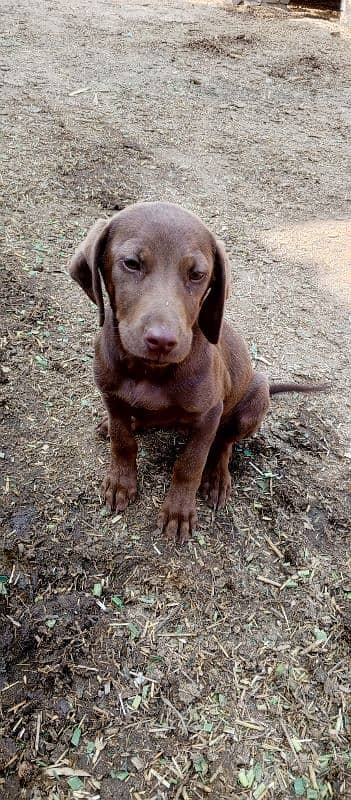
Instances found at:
x=132 y=264
x=195 y=276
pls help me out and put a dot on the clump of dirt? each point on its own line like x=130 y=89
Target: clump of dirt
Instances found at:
x=227 y=46
x=302 y=67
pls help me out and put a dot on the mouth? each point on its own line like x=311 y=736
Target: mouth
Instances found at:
x=158 y=360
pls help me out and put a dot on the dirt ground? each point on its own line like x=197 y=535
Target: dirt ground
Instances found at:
x=131 y=668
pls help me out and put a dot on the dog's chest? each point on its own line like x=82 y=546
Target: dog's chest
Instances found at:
x=146 y=396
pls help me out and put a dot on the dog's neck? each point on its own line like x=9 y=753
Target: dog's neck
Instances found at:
x=139 y=369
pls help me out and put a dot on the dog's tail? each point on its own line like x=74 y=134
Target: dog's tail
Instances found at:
x=281 y=388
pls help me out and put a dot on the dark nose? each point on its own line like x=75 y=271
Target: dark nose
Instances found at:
x=160 y=339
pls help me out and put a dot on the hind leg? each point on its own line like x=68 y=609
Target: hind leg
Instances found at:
x=102 y=427
x=216 y=480
x=244 y=420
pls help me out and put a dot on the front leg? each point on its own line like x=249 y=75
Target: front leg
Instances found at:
x=120 y=483
x=178 y=514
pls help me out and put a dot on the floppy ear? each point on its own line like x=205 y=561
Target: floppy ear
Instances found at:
x=212 y=309
x=86 y=263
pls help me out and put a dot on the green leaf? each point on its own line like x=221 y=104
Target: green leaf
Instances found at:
x=299 y=787
x=320 y=635
x=296 y=744
x=75 y=738
x=280 y=669
x=148 y=599
x=324 y=760
x=257 y=772
x=274 y=700
x=250 y=777
x=75 y=783
x=90 y=748
x=136 y=702
x=201 y=765
x=43 y=362
x=117 y=601
x=134 y=631
x=246 y=779
x=50 y=623
x=121 y=774
x=260 y=791
x=243 y=779
x=208 y=727
x=104 y=512
x=97 y=589
x=3 y=585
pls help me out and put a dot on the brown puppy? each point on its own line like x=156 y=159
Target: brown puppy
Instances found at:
x=164 y=356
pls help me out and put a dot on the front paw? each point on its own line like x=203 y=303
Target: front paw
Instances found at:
x=119 y=486
x=178 y=516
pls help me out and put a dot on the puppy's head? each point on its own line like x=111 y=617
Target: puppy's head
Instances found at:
x=163 y=271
